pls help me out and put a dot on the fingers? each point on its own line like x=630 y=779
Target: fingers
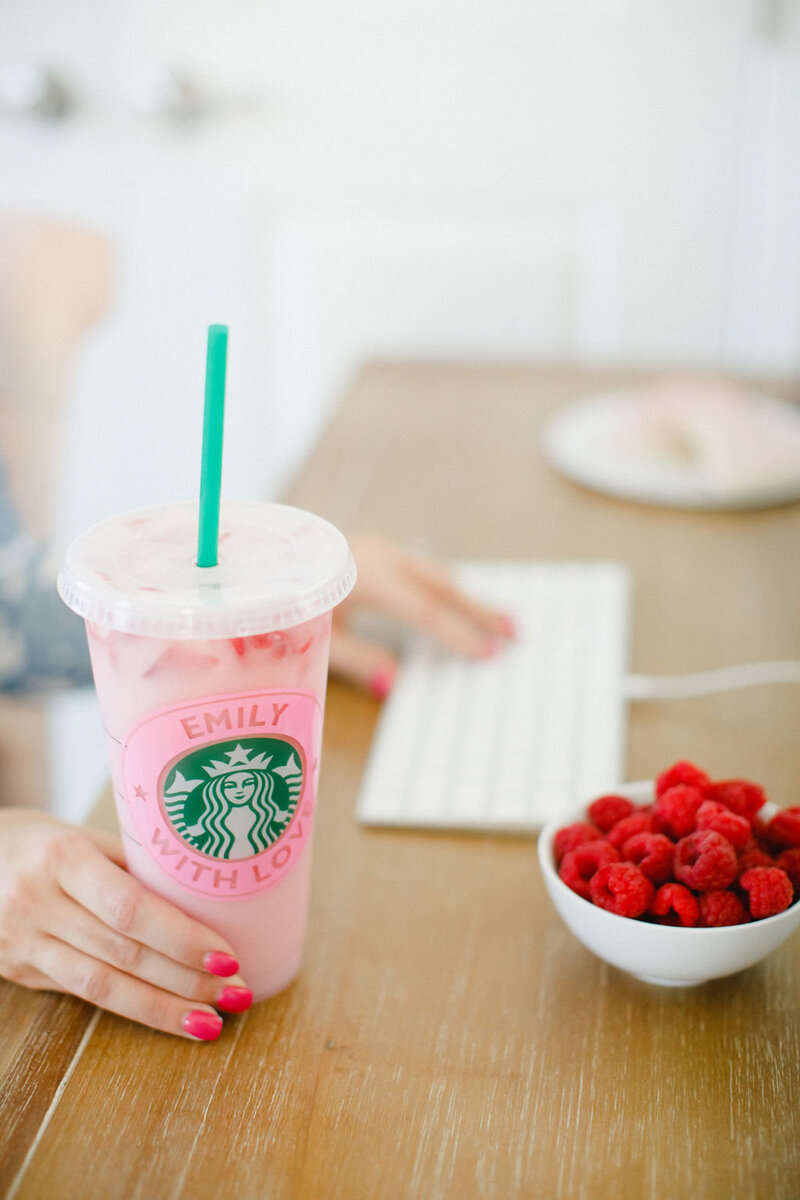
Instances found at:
x=89 y=935
x=29 y=977
x=72 y=920
x=437 y=581
x=363 y=663
x=447 y=617
x=113 y=990
x=108 y=845
x=125 y=907
x=419 y=592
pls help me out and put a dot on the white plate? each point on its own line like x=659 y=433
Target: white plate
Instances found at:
x=589 y=441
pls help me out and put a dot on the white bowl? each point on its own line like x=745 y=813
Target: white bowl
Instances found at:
x=662 y=954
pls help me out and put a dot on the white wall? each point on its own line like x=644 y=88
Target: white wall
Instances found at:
x=359 y=156
x=590 y=178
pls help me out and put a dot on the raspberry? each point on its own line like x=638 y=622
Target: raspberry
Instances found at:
x=580 y=864
x=674 y=904
x=705 y=861
x=674 y=861
x=570 y=836
x=607 y=810
x=681 y=773
x=739 y=795
x=721 y=908
x=652 y=854
x=621 y=888
x=753 y=855
x=789 y=862
x=675 y=811
x=784 y=828
x=769 y=891
x=638 y=822
x=712 y=815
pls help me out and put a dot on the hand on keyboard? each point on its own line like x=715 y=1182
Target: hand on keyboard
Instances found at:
x=506 y=742
x=418 y=593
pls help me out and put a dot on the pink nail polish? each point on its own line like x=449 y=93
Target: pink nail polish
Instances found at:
x=234 y=999
x=203 y=1025
x=219 y=963
x=381 y=684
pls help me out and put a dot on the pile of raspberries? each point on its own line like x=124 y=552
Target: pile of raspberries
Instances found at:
x=699 y=855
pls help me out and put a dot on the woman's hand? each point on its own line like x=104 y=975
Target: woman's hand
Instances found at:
x=73 y=920
x=416 y=592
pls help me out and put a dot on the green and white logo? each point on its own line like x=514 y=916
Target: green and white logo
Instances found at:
x=231 y=800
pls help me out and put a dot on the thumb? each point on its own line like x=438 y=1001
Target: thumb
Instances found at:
x=368 y=666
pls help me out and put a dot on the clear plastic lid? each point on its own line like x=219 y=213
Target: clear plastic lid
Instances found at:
x=137 y=572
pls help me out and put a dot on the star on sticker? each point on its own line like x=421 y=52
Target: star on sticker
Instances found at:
x=237 y=758
x=240 y=757
x=139 y=792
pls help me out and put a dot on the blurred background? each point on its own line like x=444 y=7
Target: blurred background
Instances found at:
x=600 y=180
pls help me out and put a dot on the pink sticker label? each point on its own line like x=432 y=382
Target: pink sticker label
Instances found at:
x=221 y=791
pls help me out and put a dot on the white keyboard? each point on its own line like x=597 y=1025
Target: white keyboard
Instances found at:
x=503 y=744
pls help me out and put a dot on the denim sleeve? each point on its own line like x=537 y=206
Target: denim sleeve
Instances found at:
x=42 y=644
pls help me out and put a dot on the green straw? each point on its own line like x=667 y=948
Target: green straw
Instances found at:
x=211 y=468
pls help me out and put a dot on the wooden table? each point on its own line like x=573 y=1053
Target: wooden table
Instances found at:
x=448 y=1038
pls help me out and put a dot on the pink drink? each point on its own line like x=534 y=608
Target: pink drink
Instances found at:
x=211 y=684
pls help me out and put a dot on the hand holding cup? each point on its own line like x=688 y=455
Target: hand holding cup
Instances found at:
x=72 y=919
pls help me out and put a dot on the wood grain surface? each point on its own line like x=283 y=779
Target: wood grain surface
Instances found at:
x=448 y=1039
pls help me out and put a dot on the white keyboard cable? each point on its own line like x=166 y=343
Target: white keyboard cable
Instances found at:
x=705 y=683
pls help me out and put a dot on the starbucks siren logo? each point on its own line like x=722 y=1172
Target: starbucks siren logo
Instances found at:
x=234 y=799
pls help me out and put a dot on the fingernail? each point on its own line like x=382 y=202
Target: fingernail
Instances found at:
x=490 y=649
x=381 y=684
x=219 y=963
x=508 y=626
x=203 y=1025
x=234 y=999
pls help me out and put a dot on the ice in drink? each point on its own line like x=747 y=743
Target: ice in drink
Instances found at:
x=211 y=685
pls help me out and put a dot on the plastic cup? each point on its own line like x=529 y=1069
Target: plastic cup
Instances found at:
x=211 y=684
